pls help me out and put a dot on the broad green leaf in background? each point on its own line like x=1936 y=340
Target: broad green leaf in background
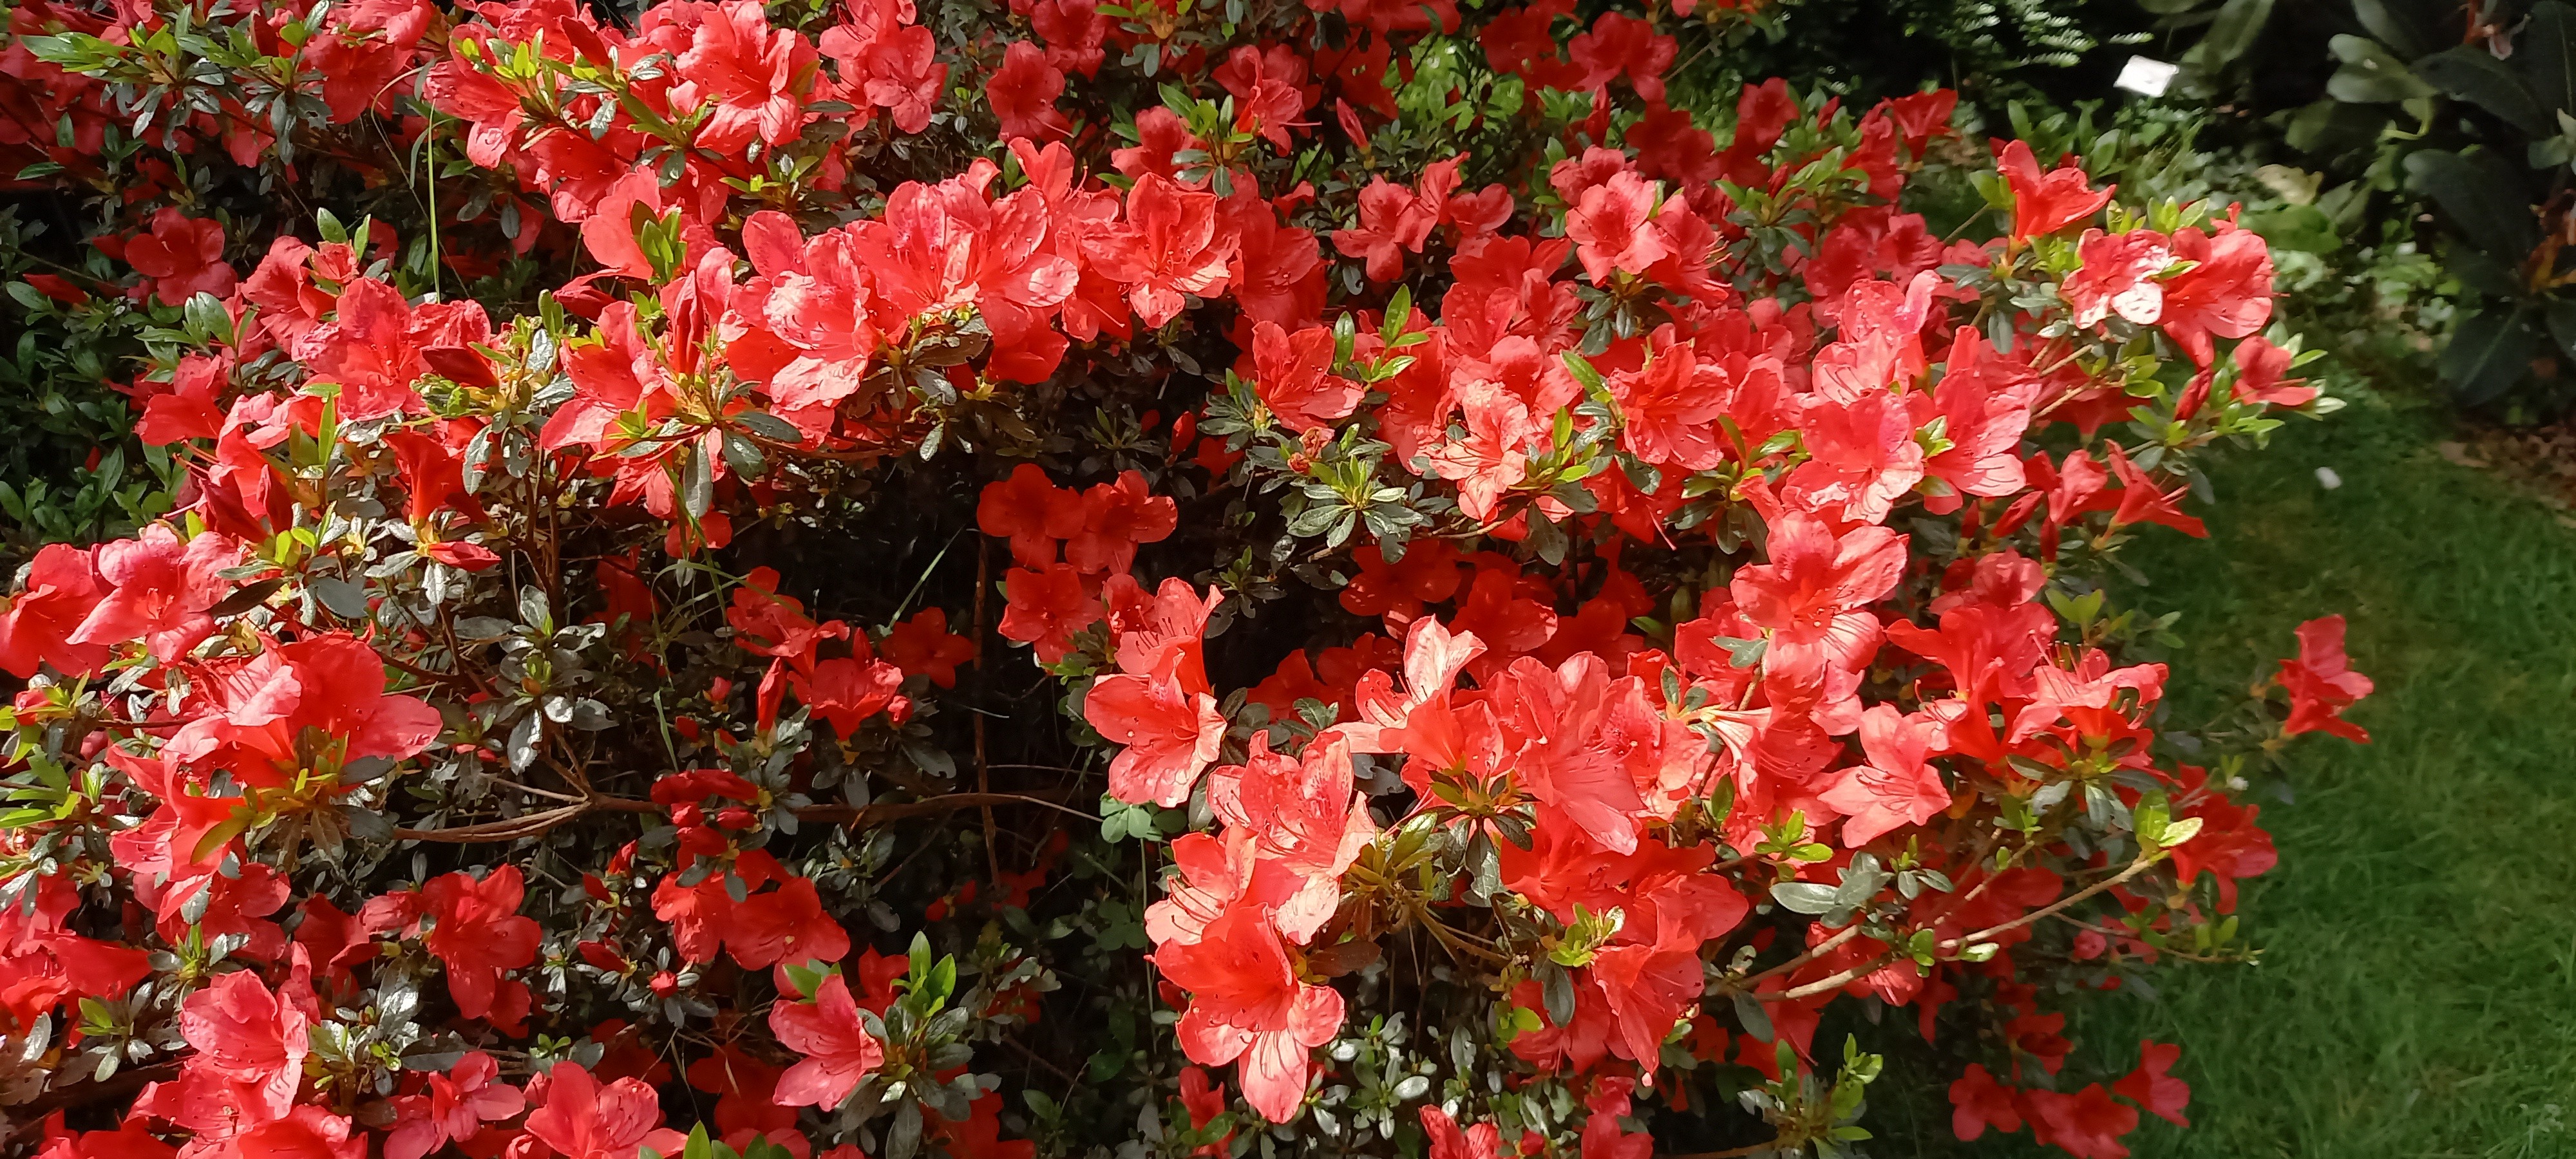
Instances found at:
x=2371 y=74
x=2471 y=73
x=2486 y=198
x=2490 y=353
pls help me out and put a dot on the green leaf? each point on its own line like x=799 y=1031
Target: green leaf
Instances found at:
x=345 y=600
x=2471 y=73
x=2562 y=324
x=742 y=455
x=1556 y=987
x=903 y=1139
x=2403 y=25
x=2486 y=198
x=769 y=426
x=2304 y=228
x=2371 y=74
x=698 y=486
x=2541 y=56
x=1806 y=897
x=2235 y=29
x=2489 y=354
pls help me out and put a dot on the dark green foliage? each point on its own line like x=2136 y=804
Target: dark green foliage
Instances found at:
x=70 y=467
x=1992 y=51
x=2465 y=113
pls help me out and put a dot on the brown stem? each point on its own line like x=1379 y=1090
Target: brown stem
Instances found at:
x=514 y=828
x=2135 y=868
x=1820 y=949
x=983 y=763
x=1831 y=981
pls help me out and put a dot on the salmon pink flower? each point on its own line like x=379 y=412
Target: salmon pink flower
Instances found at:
x=582 y=1118
x=1169 y=247
x=1171 y=735
x=453 y=1108
x=839 y=1052
x=2119 y=277
x=1247 y=1005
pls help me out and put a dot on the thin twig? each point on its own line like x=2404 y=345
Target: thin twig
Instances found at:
x=983 y=761
x=2135 y=868
x=1820 y=949
x=514 y=828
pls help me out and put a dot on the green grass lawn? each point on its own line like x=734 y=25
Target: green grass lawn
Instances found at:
x=2417 y=994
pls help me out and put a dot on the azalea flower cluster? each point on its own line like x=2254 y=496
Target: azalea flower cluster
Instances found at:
x=1533 y=614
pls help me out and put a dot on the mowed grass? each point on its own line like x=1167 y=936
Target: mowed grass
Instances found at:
x=2417 y=994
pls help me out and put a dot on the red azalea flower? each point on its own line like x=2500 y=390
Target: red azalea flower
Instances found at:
x=2260 y=367
x=1046 y=608
x=479 y=933
x=2118 y=276
x=923 y=646
x=752 y=72
x=307 y=1132
x=2087 y=1124
x=454 y=1108
x=260 y=708
x=1030 y=511
x=1392 y=223
x=1897 y=787
x=1116 y=517
x=839 y=1052
x=2046 y=203
x=2150 y=1087
x=1168 y=247
x=583 y=1118
x=182 y=255
x=160 y=590
x=1293 y=375
x=1170 y=734
x=2321 y=682
x=1023 y=91
x=250 y=1038
x=1247 y=1004
x=2227 y=292
x=1979 y=1102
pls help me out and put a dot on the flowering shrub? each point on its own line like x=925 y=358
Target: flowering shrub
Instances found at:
x=585 y=716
